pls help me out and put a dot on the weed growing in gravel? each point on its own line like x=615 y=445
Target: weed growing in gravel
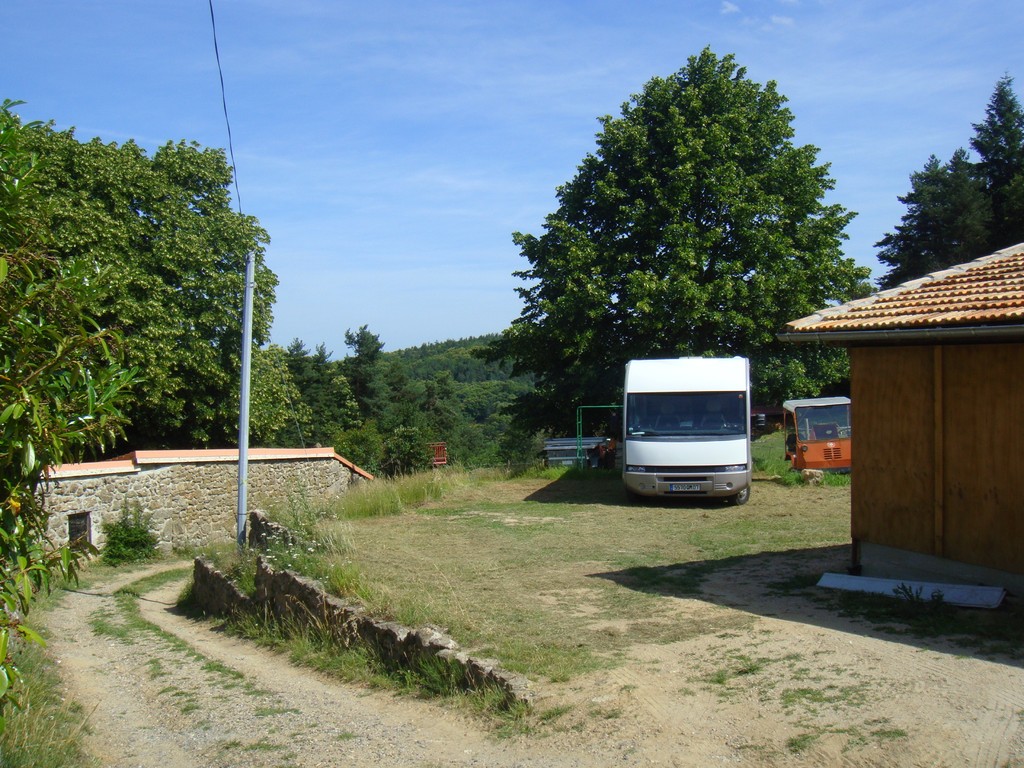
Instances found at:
x=108 y=623
x=802 y=742
x=740 y=665
x=890 y=734
x=156 y=669
x=263 y=745
x=552 y=714
x=273 y=711
x=832 y=696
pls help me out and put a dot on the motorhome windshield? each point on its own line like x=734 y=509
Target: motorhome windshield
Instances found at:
x=686 y=414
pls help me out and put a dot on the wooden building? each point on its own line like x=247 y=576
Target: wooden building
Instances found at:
x=937 y=384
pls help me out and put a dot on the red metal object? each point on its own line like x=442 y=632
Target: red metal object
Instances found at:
x=440 y=454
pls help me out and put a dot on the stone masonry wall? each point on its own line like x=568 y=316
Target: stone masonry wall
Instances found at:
x=190 y=504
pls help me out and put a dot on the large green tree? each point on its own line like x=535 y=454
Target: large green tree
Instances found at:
x=697 y=227
x=60 y=385
x=174 y=250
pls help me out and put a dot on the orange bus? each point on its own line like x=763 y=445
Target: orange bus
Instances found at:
x=818 y=433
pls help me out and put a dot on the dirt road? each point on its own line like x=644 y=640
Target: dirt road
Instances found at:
x=779 y=689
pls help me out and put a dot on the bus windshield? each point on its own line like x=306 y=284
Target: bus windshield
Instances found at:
x=686 y=414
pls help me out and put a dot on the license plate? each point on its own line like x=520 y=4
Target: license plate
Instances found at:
x=684 y=486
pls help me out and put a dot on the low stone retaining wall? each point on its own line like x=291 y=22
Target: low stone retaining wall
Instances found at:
x=299 y=601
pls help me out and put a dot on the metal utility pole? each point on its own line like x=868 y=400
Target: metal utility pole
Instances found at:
x=243 y=413
x=250 y=285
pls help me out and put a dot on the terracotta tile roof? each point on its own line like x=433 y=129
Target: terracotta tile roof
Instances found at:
x=986 y=292
x=131 y=462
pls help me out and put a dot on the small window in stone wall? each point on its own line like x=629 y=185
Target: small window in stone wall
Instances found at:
x=80 y=526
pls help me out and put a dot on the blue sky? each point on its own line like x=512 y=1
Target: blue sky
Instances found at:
x=392 y=148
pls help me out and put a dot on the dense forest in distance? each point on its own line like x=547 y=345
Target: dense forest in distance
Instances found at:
x=382 y=410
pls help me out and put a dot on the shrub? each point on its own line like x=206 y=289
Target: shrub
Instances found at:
x=128 y=539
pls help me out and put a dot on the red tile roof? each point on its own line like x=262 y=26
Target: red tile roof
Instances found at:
x=985 y=293
x=131 y=462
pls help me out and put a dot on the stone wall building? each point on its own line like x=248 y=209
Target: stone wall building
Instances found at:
x=190 y=497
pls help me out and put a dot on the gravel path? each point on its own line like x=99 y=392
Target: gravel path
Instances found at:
x=196 y=697
x=188 y=695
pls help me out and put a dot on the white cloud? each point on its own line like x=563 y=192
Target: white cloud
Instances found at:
x=728 y=7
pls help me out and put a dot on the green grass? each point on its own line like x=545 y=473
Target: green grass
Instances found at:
x=431 y=677
x=561 y=560
x=802 y=742
x=380 y=498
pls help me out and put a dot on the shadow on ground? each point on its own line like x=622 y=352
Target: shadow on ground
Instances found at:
x=783 y=585
x=604 y=486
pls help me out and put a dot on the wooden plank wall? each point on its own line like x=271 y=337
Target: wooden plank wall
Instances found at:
x=984 y=425
x=938 y=432
x=891 y=413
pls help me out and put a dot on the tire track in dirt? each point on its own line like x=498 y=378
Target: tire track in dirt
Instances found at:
x=766 y=692
x=206 y=699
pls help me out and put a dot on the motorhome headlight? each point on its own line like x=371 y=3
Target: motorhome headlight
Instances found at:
x=733 y=468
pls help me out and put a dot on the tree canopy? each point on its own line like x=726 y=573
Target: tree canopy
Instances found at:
x=697 y=227
x=946 y=221
x=999 y=142
x=324 y=390
x=383 y=409
x=960 y=210
x=174 y=253
x=61 y=382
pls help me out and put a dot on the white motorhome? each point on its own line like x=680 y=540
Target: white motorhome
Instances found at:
x=686 y=428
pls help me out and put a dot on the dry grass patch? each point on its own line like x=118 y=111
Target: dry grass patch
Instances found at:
x=558 y=577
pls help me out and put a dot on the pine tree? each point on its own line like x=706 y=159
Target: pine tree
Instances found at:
x=999 y=142
x=947 y=221
x=962 y=210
